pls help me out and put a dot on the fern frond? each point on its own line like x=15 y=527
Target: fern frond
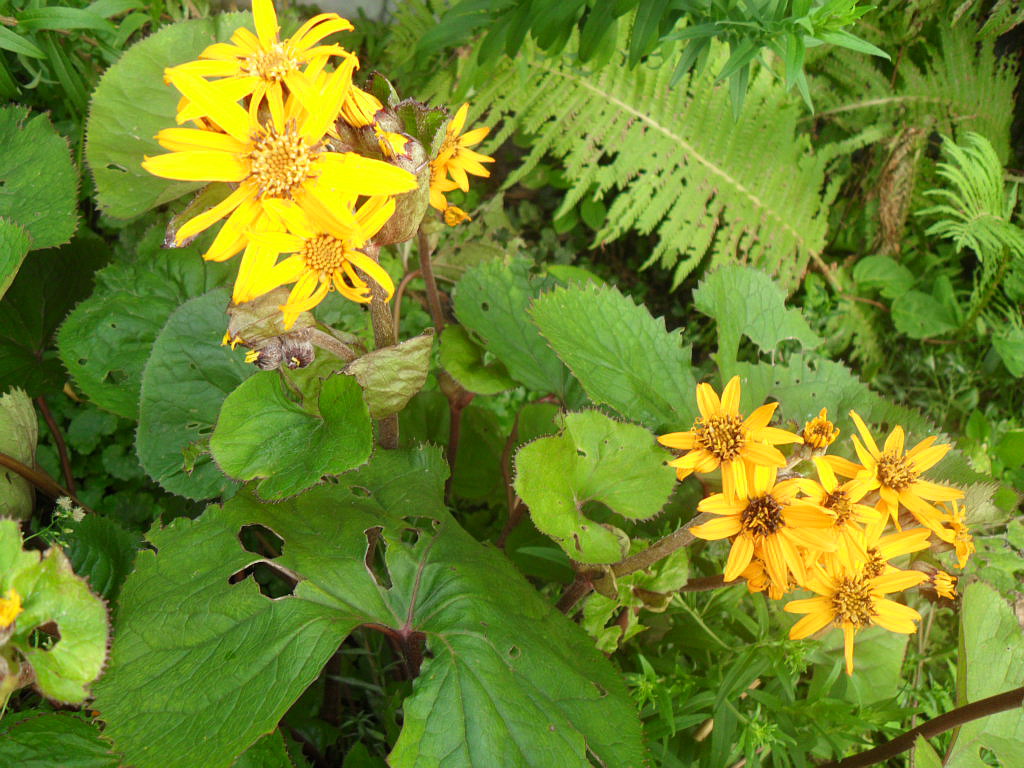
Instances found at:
x=1004 y=16
x=976 y=212
x=963 y=87
x=677 y=159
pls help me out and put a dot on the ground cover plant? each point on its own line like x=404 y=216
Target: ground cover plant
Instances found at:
x=511 y=384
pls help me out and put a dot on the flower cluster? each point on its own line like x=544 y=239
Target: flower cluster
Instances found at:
x=821 y=534
x=315 y=166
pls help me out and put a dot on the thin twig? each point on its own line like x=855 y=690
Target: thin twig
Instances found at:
x=40 y=480
x=383 y=336
x=62 y=448
x=992 y=705
x=662 y=548
x=433 y=296
x=400 y=294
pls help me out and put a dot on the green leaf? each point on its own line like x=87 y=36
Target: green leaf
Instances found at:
x=920 y=316
x=38 y=739
x=262 y=433
x=1010 y=348
x=392 y=375
x=14 y=244
x=40 y=189
x=924 y=755
x=594 y=459
x=746 y=302
x=15 y=43
x=48 y=284
x=50 y=592
x=621 y=355
x=847 y=40
x=268 y=752
x=132 y=103
x=102 y=552
x=491 y=301
x=884 y=274
x=467 y=362
x=18 y=435
x=106 y=340
x=992 y=658
x=62 y=18
x=508 y=676
x=185 y=381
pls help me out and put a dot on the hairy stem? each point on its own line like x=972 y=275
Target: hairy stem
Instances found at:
x=659 y=550
x=327 y=342
x=383 y=336
x=40 y=480
x=992 y=705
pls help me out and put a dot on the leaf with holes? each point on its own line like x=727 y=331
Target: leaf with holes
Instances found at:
x=508 y=675
x=58 y=604
x=187 y=378
x=106 y=340
x=621 y=355
x=35 y=738
x=18 y=434
x=746 y=302
x=595 y=459
x=491 y=301
x=39 y=188
x=132 y=103
x=262 y=433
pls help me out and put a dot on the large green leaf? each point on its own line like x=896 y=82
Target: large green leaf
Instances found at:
x=991 y=662
x=39 y=189
x=263 y=433
x=14 y=244
x=18 y=435
x=102 y=552
x=594 y=459
x=185 y=381
x=491 y=301
x=746 y=302
x=50 y=592
x=106 y=340
x=621 y=355
x=504 y=676
x=38 y=739
x=132 y=103
x=48 y=284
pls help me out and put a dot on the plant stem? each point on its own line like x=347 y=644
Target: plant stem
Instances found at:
x=660 y=549
x=400 y=294
x=62 y=449
x=433 y=296
x=40 y=480
x=327 y=342
x=383 y=336
x=992 y=705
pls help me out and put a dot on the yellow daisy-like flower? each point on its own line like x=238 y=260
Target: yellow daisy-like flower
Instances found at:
x=853 y=602
x=841 y=502
x=945 y=585
x=10 y=607
x=896 y=475
x=282 y=160
x=360 y=108
x=261 y=65
x=454 y=216
x=764 y=519
x=872 y=553
x=722 y=438
x=958 y=534
x=759 y=580
x=819 y=433
x=456 y=159
x=325 y=257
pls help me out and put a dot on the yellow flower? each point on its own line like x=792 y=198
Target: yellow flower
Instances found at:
x=456 y=159
x=10 y=607
x=763 y=519
x=360 y=108
x=852 y=602
x=721 y=437
x=261 y=65
x=945 y=585
x=281 y=160
x=454 y=216
x=896 y=475
x=759 y=580
x=840 y=501
x=819 y=433
x=325 y=257
x=958 y=534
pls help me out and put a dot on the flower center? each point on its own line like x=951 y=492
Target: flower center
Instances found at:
x=839 y=503
x=270 y=65
x=281 y=162
x=721 y=435
x=852 y=602
x=323 y=253
x=875 y=565
x=894 y=471
x=763 y=516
